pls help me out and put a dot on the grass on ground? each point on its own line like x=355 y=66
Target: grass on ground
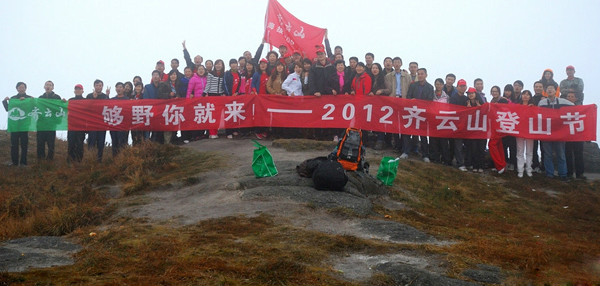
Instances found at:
x=539 y=229
x=55 y=198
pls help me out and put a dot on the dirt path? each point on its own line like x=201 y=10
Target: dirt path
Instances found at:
x=233 y=190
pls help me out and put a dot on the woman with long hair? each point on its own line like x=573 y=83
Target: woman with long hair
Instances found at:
x=509 y=142
x=495 y=144
x=378 y=80
x=361 y=84
x=215 y=87
x=525 y=146
x=440 y=147
x=277 y=78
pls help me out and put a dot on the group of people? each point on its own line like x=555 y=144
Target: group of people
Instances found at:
x=293 y=73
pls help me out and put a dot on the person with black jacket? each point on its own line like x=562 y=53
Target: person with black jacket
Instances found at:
x=119 y=138
x=319 y=74
x=378 y=80
x=20 y=138
x=339 y=77
x=537 y=162
x=188 y=60
x=47 y=137
x=422 y=90
x=97 y=138
x=75 y=139
x=459 y=98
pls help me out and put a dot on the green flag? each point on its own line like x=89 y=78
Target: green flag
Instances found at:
x=37 y=114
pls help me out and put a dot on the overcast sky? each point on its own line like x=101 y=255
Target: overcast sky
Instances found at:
x=71 y=42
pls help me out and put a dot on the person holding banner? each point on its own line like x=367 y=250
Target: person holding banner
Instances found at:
x=439 y=148
x=47 y=137
x=215 y=87
x=397 y=82
x=260 y=78
x=278 y=76
x=75 y=139
x=96 y=138
x=119 y=138
x=293 y=83
x=361 y=83
x=509 y=142
x=422 y=90
x=378 y=80
x=574 y=150
x=474 y=148
x=525 y=146
x=556 y=148
x=20 y=138
x=459 y=99
x=340 y=81
x=495 y=144
x=319 y=74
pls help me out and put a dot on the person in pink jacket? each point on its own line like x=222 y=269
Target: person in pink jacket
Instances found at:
x=197 y=83
x=195 y=89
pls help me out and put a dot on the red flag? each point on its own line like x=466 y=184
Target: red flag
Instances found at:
x=281 y=27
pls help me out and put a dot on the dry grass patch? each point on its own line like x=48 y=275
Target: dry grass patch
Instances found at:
x=227 y=251
x=55 y=198
x=500 y=220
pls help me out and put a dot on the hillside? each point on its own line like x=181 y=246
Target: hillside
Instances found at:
x=195 y=215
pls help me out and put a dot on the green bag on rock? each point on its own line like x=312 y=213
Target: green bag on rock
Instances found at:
x=387 y=170
x=262 y=162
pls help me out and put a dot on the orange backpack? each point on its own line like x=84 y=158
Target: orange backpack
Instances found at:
x=350 y=150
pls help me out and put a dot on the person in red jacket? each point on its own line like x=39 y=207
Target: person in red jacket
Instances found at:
x=361 y=84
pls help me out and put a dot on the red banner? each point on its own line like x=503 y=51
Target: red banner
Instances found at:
x=376 y=113
x=282 y=28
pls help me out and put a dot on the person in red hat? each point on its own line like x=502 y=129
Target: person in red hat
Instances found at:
x=259 y=86
x=320 y=72
x=572 y=84
x=459 y=99
x=474 y=148
x=260 y=78
x=160 y=67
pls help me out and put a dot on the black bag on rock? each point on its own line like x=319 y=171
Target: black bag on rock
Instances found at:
x=330 y=175
x=308 y=167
